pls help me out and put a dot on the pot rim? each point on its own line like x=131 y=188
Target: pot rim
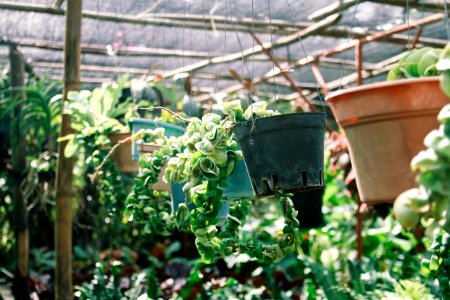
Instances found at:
x=144 y=147
x=160 y=123
x=245 y=123
x=335 y=96
x=120 y=133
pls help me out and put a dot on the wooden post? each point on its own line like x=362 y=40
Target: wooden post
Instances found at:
x=18 y=146
x=63 y=226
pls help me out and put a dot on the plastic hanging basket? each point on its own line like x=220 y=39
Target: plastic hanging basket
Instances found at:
x=140 y=123
x=309 y=207
x=284 y=152
x=385 y=124
x=178 y=197
x=239 y=182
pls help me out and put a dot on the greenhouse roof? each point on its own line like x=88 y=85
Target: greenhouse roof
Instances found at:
x=207 y=38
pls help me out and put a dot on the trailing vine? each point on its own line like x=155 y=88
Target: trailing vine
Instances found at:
x=202 y=159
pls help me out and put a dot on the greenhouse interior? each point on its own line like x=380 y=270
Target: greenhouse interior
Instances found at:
x=204 y=149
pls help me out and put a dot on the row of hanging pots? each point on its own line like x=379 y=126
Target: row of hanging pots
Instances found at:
x=385 y=124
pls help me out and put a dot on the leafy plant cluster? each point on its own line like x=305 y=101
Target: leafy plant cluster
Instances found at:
x=202 y=159
x=437 y=263
x=416 y=63
x=94 y=116
x=430 y=202
x=432 y=199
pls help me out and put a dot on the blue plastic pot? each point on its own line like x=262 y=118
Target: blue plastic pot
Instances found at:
x=140 y=123
x=239 y=187
x=178 y=197
x=239 y=183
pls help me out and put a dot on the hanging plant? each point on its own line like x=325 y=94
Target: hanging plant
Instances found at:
x=400 y=112
x=203 y=158
x=431 y=200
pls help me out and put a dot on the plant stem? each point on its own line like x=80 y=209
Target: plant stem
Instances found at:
x=94 y=176
x=169 y=111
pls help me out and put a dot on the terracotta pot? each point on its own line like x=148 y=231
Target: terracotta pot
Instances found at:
x=150 y=148
x=386 y=124
x=122 y=156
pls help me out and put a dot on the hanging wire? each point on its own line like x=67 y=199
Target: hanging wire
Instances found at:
x=348 y=41
x=243 y=64
x=223 y=52
x=183 y=35
x=253 y=54
x=446 y=20
x=190 y=27
x=206 y=36
x=206 y=31
x=164 y=35
x=241 y=47
x=407 y=22
x=272 y=50
x=316 y=84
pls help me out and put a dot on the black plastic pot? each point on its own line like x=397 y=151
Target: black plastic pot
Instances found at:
x=309 y=207
x=284 y=152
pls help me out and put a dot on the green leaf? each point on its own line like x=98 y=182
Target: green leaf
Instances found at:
x=394 y=73
x=445 y=83
x=444 y=114
x=427 y=63
x=71 y=148
x=182 y=215
x=209 y=169
x=233 y=110
x=425 y=160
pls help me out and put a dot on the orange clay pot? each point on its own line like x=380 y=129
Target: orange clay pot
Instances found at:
x=150 y=148
x=386 y=124
x=122 y=156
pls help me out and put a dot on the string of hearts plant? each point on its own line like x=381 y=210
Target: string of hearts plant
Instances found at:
x=203 y=158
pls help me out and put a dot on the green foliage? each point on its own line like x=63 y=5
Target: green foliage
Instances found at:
x=416 y=63
x=436 y=264
x=145 y=205
x=94 y=116
x=107 y=284
x=443 y=66
x=39 y=116
x=407 y=290
x=203 y=158
x=431 y=200
x=102 y=287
